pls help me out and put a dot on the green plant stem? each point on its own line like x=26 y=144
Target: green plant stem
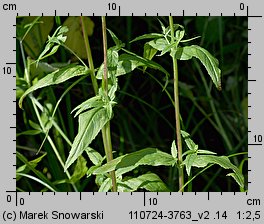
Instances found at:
x=51 y=142
x=177 y=109
x=106 y=129
x=89 y=56
x=27 y=72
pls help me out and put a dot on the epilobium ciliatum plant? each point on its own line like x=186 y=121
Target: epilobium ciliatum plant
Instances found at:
x=94 y=114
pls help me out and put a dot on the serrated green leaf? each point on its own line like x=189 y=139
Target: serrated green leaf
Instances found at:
x=56 y=77
x=174 y=151
x=94 y=156
x=112 y=62
x=210 y=63
x=223 y=161
x=106 y=185
x=170 y=47
x=90 y=124
x=91 y=170
x=95 y=101
x=128 y=162
x=128 y=63
x=163 y=28
x=179 y=34
x=39 y=174
x=80 y=169
x=29 y=132
x=201 y=151
x=118 y=42
x=53 y=43
x=147 y=36
x=188 y=162
x=189 y=142
x=189 y=152
x=149 y=51
x=52 y=50
x=31 y=165
x=131 y=58
x=113 y=89
x=34 y=125
x=150 y=182
x=159 y=44
x=237 y=178
x=112 y=58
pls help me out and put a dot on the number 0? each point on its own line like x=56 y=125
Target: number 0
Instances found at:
x=242 y=6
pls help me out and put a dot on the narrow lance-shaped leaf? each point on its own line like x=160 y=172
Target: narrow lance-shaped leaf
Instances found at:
x=147 y=36
x=38 y=174
x=188 y=162
x=174 y=151
x=126 y=163
x=189 y=142
x=56 y=77
x=80 y=169
x=53 y=43
x=150 y=181
x=210 y=63
x=33 y=163
x=159 y=44
x=118 y=42
x=95 y=101
x=223 y=161
x=129 y=62
x=94 y=156
x=90 y=124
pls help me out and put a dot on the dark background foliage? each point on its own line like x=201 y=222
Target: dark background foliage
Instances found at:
x=144 y=115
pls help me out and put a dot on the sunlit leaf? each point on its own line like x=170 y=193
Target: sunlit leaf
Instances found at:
x=94 y=156
x=210 y=63
x=90 y=124
x=202 y=151
x=174 y=151
x=150 y=182
x=159 y=44
x=95 y=101
x=80 y=169
x=128 y=162
x=188 y=162
x=223 y=161
x=147 y=36
x=39 y=174
x=179 y=34
x=118 y=42
x=56 y=77
x=34 y=125
x=31 y=165
x=149 y=53
x=106 y=185
x=189 y=142
x=29 y=132
x=128 y=63
x=53 y=43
